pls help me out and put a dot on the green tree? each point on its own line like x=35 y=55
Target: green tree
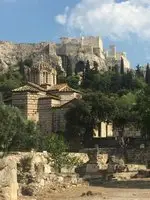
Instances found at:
x=9 y=81
x=86 y=114
x=16 y=133
x=125 y=116
x=139 y=72
x=143 y=108
x=147 y=76
x=122 y=66
x=73 y=81
x=58 y=149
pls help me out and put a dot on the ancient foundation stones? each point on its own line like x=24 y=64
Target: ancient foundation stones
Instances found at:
x=8 y=179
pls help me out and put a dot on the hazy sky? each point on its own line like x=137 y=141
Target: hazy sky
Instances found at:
x=123 y=23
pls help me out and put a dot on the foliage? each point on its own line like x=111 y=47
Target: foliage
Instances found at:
x=143 y=108
x=112 y=81
x=73 y=81
x=124 y=115
x=28 y=62
x=9 y=81
x=147 y=76
x=87 y=113
x=122 y=66
x=57 y=147
x=15 y=131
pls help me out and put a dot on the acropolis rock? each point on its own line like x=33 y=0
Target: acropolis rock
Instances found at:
x=70 y=54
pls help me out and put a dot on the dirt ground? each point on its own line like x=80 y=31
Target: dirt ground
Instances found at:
x=132 y=190
x=100 y=193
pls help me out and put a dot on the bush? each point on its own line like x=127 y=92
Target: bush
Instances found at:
x=57 y=147
x=16 y=133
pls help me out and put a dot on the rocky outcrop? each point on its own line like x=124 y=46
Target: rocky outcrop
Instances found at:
x=11 y=54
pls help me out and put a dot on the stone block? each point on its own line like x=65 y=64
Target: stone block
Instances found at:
x=135 y=167
x=92 y=168
x=68 y=170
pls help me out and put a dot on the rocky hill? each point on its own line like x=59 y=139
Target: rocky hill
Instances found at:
x=11 y=54
x=69 y=55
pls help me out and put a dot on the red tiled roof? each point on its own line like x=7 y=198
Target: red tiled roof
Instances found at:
x=25 y=88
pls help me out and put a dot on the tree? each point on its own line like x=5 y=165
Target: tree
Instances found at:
x=57 y=147
x=147 y=76
x=116 y=68
x=16 y=133
x=125 y=116
x=143 y=108
x=9 y=81
x=87 y=113
x=139 y=72
x=73 y=81
x=122 y=66
x=86 y=70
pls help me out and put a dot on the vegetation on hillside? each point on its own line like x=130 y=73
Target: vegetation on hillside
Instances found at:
x=117 y=96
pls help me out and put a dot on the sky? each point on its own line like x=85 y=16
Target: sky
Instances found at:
x=125 y=23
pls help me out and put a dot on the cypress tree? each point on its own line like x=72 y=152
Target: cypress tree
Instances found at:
x=122 y=66
x=86 y=70
x=87 y=67
x=147 y=76
x=116 y=69
x=139 y=72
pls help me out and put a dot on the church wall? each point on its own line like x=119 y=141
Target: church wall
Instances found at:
x=20 y=100
x=45 y=116
x=32 y=107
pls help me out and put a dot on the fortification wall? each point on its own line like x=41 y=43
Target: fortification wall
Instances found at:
x=95 y=42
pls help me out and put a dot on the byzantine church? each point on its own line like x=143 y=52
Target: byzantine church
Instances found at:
x=46 y=102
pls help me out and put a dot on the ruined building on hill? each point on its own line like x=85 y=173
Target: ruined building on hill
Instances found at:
x=76 y=51
x=69 y=55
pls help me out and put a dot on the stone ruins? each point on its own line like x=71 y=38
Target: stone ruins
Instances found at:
x=69 y=55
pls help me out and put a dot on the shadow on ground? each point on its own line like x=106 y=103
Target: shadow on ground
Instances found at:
x=137 y=184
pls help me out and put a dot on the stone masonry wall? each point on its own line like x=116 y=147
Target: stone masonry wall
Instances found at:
x=35 y=172
x=20 y=100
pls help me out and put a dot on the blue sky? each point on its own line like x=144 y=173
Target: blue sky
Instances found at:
x=125 y=24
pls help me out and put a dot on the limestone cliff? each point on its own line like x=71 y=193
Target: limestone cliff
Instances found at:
x=11 y=54
x=70 y=54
